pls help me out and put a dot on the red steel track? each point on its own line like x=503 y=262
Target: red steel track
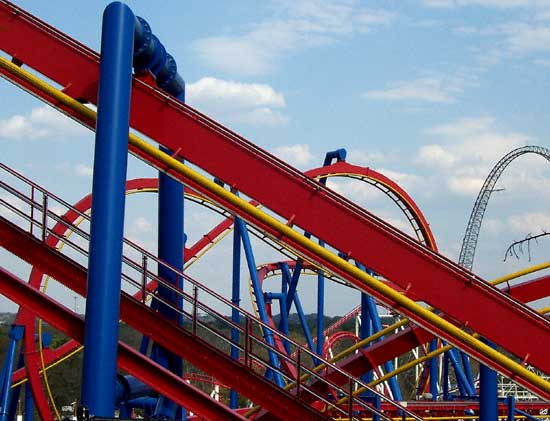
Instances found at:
x=177 y=340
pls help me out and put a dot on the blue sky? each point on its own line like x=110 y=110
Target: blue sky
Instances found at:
x=429 y=92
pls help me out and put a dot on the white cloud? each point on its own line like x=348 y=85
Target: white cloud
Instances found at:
x=84 y=170
x=300 y=24
x=297 y=155
x=465 y=152
x=529 y=223
x=142 y=225
x=433 y=88
x=462 y=185
x=528 y=38
x=251 y=103
x=367 y=159
x=435 y=155
x=42 y=122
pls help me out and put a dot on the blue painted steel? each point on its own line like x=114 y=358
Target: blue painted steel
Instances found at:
x=488 y=394
x=434 y=370
x=511 y=404
x=236 y=300
x=293 y=283
x=288 y=278
x=320 y=309
x=251 y=262
x=446 y=396
x=29 y=403
x=527 y=415
x=338 y=154
x=467 y=368
x=366 y=331
x=376 y=327
x=461 y=380
x=16 y=392
x=150 y=55
x=108 y=192
x=15 y=335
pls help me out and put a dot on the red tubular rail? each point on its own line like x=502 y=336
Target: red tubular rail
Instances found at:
x=128 y=359
x=462 y=296
x=179 y=341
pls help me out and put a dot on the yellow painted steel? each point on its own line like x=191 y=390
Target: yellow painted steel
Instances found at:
x=173 y=165
x=519 y=273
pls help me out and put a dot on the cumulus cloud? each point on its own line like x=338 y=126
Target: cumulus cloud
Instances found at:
x=435 y=155
x=42 y=122
x=529 y=223
x=434 y=88
x=142 y=225
x=465 y=151
x=300 y=24
x=84 y=170
x=252 y=103
x=297 y=155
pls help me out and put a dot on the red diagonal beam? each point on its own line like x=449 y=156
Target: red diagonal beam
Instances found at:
x=129 y=359
x=179 y=341
x=200 y=140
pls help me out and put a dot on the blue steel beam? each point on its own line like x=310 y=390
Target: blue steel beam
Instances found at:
x=108 y=191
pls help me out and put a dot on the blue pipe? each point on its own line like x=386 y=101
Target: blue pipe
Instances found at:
x=297 y=303
x=320 y=309
x=511 y=403
x=150 y=55
x=29 y=403
x=434 y=370
x=236 y=300
x=268 y=335
x=488 y=394
x=16 y=392
x=446 y=396
x=467 y=367
x=108 y=199
x=15 y=335
x=293 y=284
x=377 y=327
x=366 y=331
x=462 y=382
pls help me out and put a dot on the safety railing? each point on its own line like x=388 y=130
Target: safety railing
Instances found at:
x=199 y=309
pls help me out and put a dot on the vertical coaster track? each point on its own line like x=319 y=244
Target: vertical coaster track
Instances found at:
x=469 y=243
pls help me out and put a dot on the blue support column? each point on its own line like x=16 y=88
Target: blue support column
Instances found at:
x=511 y=404
x=377 y=327
x=446 y=396
x=262 y=311
x=15 y=335
x=488 y=395
x=290 y=280
x=461 y=380
x=236 y=300
x=29 y=403
x=434 y=370
x=320 y=309
x=108 y=192
x=366 y=331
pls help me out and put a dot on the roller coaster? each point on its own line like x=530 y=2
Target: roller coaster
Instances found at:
x=434 y=317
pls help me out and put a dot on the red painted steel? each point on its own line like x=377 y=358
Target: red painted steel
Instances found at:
x=343 y=167
x=532 y=290
x=129 y=359
x=291 y=195
x=175 y=339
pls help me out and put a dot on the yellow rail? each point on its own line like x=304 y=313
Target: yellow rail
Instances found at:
x=175 y=166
